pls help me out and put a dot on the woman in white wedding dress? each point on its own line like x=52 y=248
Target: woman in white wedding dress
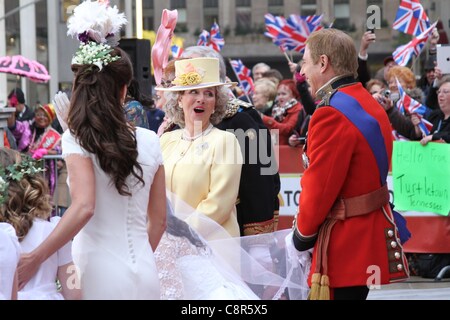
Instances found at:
x=116 y=179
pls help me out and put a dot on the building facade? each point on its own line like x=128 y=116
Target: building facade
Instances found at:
x=37 y=29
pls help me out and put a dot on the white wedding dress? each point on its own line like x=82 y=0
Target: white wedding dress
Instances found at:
x=203 y=281
x=112 y=251
x=9 y=258
x=192 y=268
x=190 y=272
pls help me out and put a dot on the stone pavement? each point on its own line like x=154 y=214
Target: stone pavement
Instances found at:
x=416 y=288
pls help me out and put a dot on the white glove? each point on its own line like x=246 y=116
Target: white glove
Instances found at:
x=261 y=253
x=62 y=104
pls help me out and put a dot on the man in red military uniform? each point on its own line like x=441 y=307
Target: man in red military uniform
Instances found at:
x=344 y=207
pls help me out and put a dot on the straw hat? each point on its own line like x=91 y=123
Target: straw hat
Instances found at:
x=196 y=73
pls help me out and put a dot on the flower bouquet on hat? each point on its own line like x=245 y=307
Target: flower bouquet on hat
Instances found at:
x=196 y=73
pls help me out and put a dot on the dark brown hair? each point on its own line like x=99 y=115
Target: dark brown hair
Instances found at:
x=96 y=118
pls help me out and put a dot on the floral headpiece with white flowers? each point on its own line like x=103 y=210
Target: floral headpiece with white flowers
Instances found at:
x=16 y=172
x=97 y=25
x=94 y=53
x=190 y=76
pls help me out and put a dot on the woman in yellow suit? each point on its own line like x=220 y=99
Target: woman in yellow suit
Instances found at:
x=203 y=164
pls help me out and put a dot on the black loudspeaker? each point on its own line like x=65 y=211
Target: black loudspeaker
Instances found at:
x=139 y=52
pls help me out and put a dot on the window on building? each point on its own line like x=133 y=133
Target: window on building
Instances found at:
x=375 y=2
x=210 y=14
x=12 y=28
x=147 y=4
x=243 y=17
x=180 y=5
x=342 y=14
x=42 y=34
x=276 y=7
x=308 y=7
x=276 y=2
x=148 y=14
x=209 y=19
x=243 y=3
x=210 y=3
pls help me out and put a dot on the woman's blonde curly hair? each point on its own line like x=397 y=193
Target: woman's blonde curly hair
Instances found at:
x=177 y=115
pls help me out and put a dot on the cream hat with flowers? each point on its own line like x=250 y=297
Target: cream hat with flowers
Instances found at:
x=196 y=73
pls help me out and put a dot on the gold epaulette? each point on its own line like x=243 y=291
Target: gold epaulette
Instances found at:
x=326 y=95
x=244 y=104
x=233 y=106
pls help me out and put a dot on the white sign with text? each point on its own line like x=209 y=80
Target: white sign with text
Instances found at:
x=290 y=194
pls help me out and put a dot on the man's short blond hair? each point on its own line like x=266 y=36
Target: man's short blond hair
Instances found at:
x=338 y=47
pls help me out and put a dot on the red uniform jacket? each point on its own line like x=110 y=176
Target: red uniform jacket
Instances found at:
x=341 y=164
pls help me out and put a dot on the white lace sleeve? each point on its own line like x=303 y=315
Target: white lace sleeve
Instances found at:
x=70 y=146
x=169 y=250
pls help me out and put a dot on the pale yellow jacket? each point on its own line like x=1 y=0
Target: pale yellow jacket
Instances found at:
x=205 y=173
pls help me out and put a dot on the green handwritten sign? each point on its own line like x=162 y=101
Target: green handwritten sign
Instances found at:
x=421 y=176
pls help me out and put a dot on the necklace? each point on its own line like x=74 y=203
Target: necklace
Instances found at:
x=186 y=136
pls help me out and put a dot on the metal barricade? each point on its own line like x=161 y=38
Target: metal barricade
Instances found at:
x=60 y=182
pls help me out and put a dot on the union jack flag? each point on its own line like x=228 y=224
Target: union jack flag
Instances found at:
x=213 y=39
x=411 y=18
x=203 y=38
x=275 y=31
x=314 y=20
x=244 y=76
x=411 y=106
x=291 y=33
x=176 y=51
x=216 y=40
x=403 y=54
x=302 y=27
x=312 y=23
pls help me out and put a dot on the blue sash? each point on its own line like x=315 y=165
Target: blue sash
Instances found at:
x=367 y=125
x=370 y=129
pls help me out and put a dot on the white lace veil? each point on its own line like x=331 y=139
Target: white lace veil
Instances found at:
x=282 y=276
